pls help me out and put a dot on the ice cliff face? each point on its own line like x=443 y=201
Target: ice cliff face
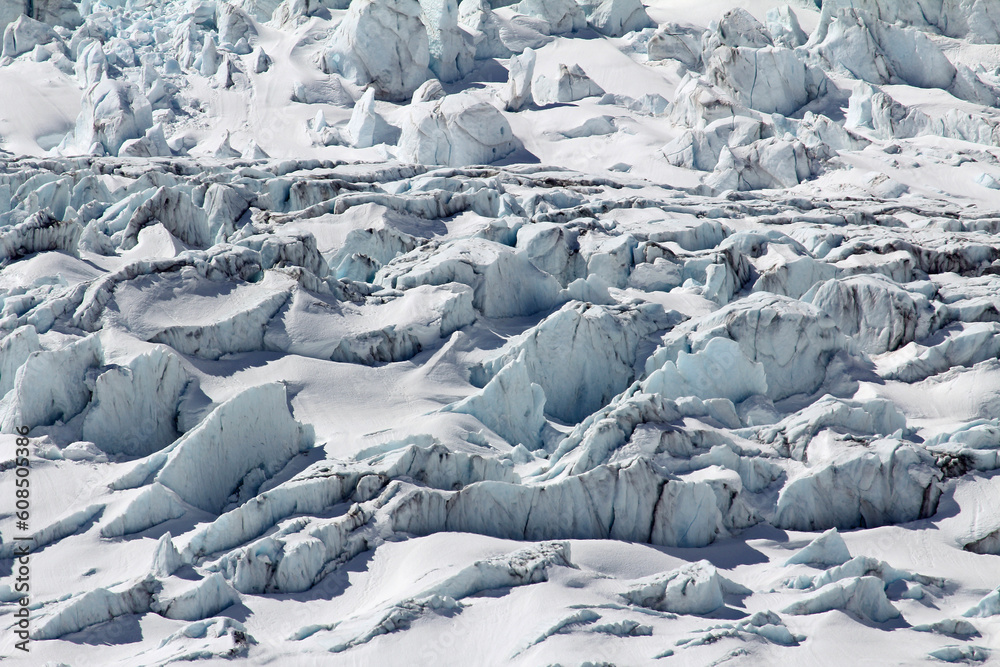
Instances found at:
x=337 y=326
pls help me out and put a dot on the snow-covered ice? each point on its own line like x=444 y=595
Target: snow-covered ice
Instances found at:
x=577 y=332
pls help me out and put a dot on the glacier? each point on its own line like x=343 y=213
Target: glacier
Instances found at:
x=576 y=332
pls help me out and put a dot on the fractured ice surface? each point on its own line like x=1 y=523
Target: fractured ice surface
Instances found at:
x=863 y=596
x=358 y=48
x=250 y=431
x=653 y=330
x=693 y=589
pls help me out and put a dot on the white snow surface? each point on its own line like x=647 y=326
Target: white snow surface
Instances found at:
x=576 y=332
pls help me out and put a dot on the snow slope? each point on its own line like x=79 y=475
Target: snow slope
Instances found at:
x=582 y=332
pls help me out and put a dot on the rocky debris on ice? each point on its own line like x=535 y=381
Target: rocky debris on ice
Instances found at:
x=891 y=481
x=211 y=638
x=608 y=336
x=697 y=588
x=457 y=130
x=383 y=44
x=863 y=596
x=826 y=550
x=254 y=430
x=973 y=445
x=504 y=283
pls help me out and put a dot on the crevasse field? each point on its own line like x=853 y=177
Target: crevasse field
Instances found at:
x=564 y=332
